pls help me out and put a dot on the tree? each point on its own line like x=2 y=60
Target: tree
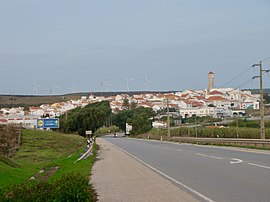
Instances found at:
x=133 y=104
x=120 y=119
x=140 y=118
x=126 y=103
x=140 y=124
x=266 y=97
x=90 y=117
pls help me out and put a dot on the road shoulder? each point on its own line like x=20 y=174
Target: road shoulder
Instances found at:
x=118 y=177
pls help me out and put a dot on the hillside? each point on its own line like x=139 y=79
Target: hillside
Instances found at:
x=32 y=100
x=40 y=150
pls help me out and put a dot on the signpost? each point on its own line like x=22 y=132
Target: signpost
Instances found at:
x=88 y=133
x=48 y=123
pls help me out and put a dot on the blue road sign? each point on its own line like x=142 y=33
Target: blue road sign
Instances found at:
x=48 y=123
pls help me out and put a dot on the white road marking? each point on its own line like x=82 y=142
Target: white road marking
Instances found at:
x=261 y=166
x=202 y=155
x=170 y=178
x=215 y=157
x=234 y=161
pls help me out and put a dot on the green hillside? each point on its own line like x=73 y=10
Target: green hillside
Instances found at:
x=44 y=151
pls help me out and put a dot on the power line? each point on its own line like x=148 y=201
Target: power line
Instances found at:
x=244 y=83
x=236 y=77
x=247 y=81
x=266 y=59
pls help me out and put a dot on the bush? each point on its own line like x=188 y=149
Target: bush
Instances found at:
x=105 y=130
x=70 y=187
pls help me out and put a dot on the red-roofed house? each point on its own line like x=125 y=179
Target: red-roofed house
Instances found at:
x=190 y=103
x=219 y=101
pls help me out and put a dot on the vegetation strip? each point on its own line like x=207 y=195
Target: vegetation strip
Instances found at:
x=54 y=177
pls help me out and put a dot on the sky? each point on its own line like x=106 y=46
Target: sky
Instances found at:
x=63 y=46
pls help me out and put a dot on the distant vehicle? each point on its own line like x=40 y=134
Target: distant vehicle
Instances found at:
x=128 y=128
x=114 y=135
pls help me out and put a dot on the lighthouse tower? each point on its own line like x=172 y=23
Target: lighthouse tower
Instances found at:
x=211 y=76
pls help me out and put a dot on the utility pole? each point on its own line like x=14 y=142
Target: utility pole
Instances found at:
x=196 y=129
x=168 y=121
x=261 y=98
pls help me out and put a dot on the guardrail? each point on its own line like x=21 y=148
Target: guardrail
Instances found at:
x=88 y=152
x=259 y=143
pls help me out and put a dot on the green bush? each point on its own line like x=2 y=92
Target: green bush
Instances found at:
x=105 y=130
x=70 y=187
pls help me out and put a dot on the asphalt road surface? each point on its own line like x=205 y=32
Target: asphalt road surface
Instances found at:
x=209 y=173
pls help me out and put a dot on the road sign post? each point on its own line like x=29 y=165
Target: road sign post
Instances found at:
x=88 y=133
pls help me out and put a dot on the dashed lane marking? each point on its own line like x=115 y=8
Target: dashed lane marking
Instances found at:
x=215 y=157
x=261 y=166
x=202 y=155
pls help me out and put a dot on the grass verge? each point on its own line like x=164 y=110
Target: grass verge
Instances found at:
x=48 y=159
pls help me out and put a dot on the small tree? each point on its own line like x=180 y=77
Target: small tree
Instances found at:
x=126 y=103
x=133 y=104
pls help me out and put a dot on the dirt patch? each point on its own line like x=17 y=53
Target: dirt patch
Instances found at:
x=43 y=175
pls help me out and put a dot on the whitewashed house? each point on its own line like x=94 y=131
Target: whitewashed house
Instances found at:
x=36 y=111
x=196 y=111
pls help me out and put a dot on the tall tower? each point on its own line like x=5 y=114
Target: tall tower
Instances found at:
x=211 y=76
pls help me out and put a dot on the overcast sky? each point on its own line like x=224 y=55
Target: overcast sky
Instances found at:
x=76 y=45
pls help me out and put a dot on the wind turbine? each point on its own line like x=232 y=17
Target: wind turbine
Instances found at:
x=53 y=89
x=128 y=82
x=107 y=85
x=147 y=82
x=36 y=87
x=72 y=88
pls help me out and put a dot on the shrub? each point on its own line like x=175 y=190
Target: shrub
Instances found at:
x=70 y=187
x=105 y=130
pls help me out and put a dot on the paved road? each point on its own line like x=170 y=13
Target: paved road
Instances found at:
x=212 y=173
x=116 y=176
